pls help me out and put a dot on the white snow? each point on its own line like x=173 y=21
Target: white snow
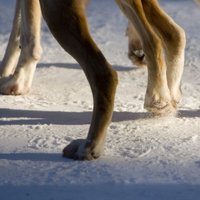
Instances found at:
x=145 y=158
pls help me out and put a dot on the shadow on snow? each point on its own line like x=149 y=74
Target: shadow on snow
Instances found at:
x=30 y=117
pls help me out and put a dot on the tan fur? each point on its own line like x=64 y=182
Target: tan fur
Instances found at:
x=198 y=2
x=163 y=43
x=159 y=47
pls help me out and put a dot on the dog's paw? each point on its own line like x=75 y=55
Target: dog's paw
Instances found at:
x=13 y=85
x=159 y=105
x=158 y=108
x=81 y=150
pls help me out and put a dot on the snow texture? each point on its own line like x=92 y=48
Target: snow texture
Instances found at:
x=145 y=158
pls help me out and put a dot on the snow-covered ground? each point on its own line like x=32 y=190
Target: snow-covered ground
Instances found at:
x=144 y=159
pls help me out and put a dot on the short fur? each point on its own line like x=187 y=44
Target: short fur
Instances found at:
x=154 y=39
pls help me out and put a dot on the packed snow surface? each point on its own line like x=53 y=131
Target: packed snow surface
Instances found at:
x=145 y=158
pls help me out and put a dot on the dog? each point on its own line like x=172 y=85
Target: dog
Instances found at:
x=155 y=40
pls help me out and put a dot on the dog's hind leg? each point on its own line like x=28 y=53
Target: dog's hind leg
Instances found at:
x=10 y=60
x=173 y=39
x=67 y=22
x=20 y=82
x=158 y=99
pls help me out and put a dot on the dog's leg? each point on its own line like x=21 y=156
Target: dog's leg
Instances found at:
x=158 y=99
x=12 y=53
x=67 y=22
x=173 y=39
x=135 y=51
x=20 y=82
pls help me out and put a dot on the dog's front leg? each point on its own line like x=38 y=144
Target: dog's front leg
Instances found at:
x=68 y=24
x=20 y=82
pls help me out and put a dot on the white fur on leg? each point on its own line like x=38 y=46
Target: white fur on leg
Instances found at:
x=12 y=53
x=174 y=76
x=158 y=98
x=9 y=63
x=19 y=83
x=175 y=65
